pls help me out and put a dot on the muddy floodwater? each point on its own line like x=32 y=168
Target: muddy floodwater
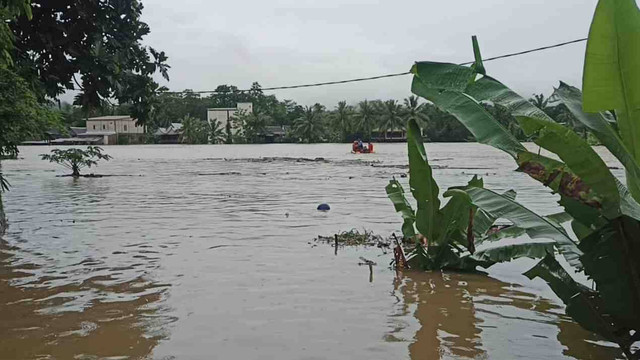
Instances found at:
x=207 y=252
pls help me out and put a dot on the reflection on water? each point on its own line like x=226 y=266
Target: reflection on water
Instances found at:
x=472 y=316
x=96 y=318
x=203 y=252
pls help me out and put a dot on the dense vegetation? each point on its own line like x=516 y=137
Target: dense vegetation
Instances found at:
x=604 y=213
x=318 y=123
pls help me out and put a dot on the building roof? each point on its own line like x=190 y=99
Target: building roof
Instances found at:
x=222 y=109
x=112 y=117
x=78 y=130
x=97 y=133
x=174 y=129
x=276 y=130
x=76 y=139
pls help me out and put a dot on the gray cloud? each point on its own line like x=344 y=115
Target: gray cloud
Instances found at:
x=284 y=42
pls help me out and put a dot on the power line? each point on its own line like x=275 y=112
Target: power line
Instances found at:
x=395 y=74
x=529 y=51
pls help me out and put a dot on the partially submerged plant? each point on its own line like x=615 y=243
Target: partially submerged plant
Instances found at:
x=76 y=159
x=457 y=235
x=354 y=237
x=605 y=215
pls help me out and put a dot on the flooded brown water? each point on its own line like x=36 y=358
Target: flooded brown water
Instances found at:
x=207 y=252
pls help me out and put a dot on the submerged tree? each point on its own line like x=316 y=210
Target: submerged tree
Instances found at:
x=76 y=159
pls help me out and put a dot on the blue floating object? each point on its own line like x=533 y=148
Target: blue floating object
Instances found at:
x=324 y=207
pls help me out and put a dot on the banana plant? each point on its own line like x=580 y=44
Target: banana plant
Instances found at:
x=459 y=235
x=605 y=215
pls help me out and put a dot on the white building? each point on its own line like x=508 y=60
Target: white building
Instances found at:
x=110 y=128
x=223 y=115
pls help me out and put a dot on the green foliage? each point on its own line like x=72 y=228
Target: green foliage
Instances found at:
x=342 y=119
x=76 y=159
x=21 y=116
x=194 y=131
x=99 y=40
x=605 y=214
x=309 y=127
x=446 y=237
x=390 y=116
x=251 y=127
x=217 y=133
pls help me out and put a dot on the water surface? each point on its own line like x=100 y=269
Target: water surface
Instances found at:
x=194 y=252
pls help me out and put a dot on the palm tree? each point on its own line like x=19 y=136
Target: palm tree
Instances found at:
x=366 y=118
x=413 y=110
x=194 y=130
x=252 y=126
x=217 y=133
x=390 y=116
x=539 y=101
x=342 y=119
x=309 y=126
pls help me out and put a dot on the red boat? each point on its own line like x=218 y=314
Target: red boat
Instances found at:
x=358 y=148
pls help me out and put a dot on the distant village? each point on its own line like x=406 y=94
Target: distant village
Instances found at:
x=119 y=129
x=122 y=129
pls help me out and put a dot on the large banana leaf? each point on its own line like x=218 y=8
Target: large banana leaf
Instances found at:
x=443 y=84
x=611 y=77
x=602 y=129
x=513 y=251
x=423 y=186
x=612 y=259
x=580 y=157
x=455 y=216
x=490 y=89
x=583 y=304
x=535 y=226
x=395 y=192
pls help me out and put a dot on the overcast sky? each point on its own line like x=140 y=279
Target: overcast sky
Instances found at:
x=285 y=42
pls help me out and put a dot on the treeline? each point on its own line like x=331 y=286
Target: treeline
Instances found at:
x=341 y=122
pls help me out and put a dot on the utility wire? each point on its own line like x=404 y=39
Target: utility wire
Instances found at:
x=395 y=74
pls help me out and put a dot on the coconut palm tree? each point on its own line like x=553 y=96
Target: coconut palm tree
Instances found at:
x=194 y=130
x=366 y=118
x=252 y=126
x=539 y=101
x=217 y=133
x=390 y=116
x=342 y=119
x=309 y=126
x=413 y=110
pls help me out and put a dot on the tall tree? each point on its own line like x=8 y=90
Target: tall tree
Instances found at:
x=216 y=132
x=251 y=127
x=366 y=118
x=100 y=40
x=342 y=119
x=309 y=126
x=539 y=101
x=390 y=116
x=414 y=110
x=194 y=131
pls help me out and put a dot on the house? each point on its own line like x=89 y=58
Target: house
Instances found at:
x=224 y=115
x=77 y=131
x=395 y=135
x=169 y=135
x=114 y=129
x=275 y=133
